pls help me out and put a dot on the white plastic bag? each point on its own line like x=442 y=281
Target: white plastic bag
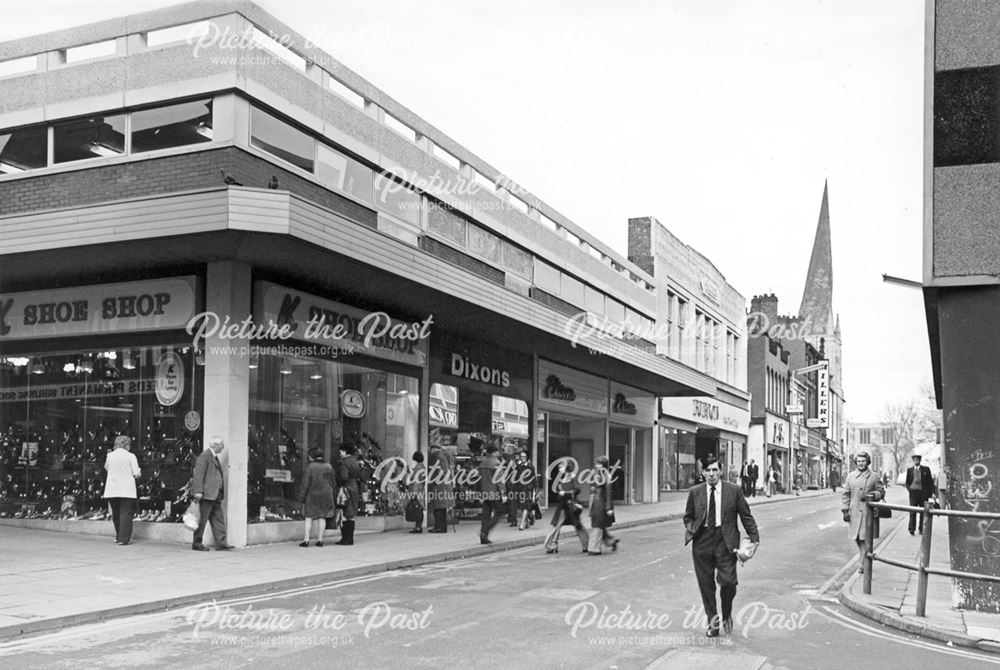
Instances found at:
x=193 y=515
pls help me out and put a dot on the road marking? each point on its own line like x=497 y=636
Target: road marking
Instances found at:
x=859 y=627
x=703 y=659
x=619 y=573
x=824 y=526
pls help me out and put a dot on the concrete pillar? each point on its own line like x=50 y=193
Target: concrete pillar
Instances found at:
x=970 y=380
x=227 y=387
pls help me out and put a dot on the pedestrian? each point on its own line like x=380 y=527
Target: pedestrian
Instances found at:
x=860 y=486
x=316 y=495
x=602 y=509
x=567 y=489
x=523 y=489
x=119 y=489
x=208 y=488
x=710 y=521
x=754 y=471
x=348 y=493
x=415 y=490
x=491 y=493
x=440 y=485
x=920 y=487
x=834 y=480
x=773 y=474
x=745 y=478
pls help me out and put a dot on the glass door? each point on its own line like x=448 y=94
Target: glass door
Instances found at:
x=620 y=454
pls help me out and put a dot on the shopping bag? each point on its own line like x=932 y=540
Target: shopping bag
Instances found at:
x=746 y=551
x=193 y=515
x=414 y=511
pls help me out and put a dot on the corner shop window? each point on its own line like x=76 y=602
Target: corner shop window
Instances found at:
x=60 y=414
x=23 y=149
x=281 y=139
x=299 y=403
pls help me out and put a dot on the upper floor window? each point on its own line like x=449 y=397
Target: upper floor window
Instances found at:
x=23 y=149
x=967 y=116
x=281 y=139
x=89 y=137
x=172 y=126
x=344 y=173
x=865 y=436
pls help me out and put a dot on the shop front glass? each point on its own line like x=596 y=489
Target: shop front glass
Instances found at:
x=61 y=412
x=577 y=437
x=297 y=404
x=677 y=467
x=466 y=421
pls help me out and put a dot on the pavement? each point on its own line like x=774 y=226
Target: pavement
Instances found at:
x=893 y=596
x=51 y=580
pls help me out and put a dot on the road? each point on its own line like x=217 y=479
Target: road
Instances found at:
x=636 y=608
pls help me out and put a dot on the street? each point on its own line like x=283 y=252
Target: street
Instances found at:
x=636 y=608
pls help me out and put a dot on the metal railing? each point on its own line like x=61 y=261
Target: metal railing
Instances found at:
x=922 y=566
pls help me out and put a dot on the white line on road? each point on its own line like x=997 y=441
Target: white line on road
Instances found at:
x=619 y=573
x=859 y=627
x=824 y=526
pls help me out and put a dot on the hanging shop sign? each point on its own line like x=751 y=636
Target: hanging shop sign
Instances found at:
x=352 y=403
x=822 y=397
x=169 y=378
x=708 y=412
x=157 y=304
x=340 y=329
x=777 y=432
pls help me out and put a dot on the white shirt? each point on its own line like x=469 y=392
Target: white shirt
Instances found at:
x=122 y=468
x=718 y=502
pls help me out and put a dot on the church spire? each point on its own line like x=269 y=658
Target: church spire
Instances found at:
x=817 y=298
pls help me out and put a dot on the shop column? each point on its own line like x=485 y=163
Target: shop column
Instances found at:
x=227 y=385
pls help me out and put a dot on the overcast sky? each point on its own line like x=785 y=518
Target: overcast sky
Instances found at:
x=722 y=119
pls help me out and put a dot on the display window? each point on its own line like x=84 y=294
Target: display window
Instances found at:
x=61 y=412
x=299 y=403
x=677 y=468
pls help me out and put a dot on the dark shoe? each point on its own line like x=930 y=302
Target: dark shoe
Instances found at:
x=614 y=544
x=344 y=542
x=911 y=531
x=713 y=631
x=593 y=553
x=727 y=626
x=552 y=551
x=861 y=570
x=225 y=547
x=199 y=547
x=436 y=530
x=419 y=530
x=485 y=540
x=304 y=544
x=318 y=544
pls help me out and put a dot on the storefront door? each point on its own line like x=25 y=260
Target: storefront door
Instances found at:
x=620 y=454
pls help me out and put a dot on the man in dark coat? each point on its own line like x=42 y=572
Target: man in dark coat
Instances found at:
x=492 y=493
x=348 y=492
x=440 y=485
x=920 y=486
x=208 y=488
x=710 y=520
x=753 y=471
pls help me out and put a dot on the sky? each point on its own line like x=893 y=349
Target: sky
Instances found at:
x=721 y=119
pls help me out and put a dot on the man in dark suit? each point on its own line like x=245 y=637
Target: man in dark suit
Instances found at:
x=208 y=488
x=920 y=486
x=710 y=520
x=753 y=470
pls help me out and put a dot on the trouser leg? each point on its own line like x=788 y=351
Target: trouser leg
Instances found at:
x=218 y=521
x=126 y=512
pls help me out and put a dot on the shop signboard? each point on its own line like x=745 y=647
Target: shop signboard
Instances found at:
x=340 y=329
x=777 y=432
x=708 y=412
x=823 y=397
x=155 y=304
x=566 y=388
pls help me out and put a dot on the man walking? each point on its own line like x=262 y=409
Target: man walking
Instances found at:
x=860 y=486
x=920 y=486
x=745 y=478
x=492 y=493
x=754 y=472
x=208 y=488
x=710 y=520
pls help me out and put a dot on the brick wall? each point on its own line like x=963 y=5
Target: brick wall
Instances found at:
x=169 y=174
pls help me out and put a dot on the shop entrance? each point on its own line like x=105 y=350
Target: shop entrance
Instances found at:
x=559 y=436
x=620 y=454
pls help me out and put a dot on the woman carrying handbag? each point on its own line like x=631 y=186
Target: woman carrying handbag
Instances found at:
x=568 y=509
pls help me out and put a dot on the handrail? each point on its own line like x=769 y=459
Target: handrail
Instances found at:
x=923 y=559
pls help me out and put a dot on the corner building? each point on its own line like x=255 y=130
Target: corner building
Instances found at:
x=148 y=188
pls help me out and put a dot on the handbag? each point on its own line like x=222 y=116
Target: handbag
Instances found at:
x=414 y=511
x=334 y=522
x=192 y=515
x=537 y=511
x=884 y=513
x=341 y=498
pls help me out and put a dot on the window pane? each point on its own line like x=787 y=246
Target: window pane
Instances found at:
x=281 y=139
x=23 y=149
x=397 y=200
x=172 y=126
x=90 y=137
x=966 y=117
x=344 y=173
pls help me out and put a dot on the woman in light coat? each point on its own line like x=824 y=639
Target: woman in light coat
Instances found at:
x=860 y=486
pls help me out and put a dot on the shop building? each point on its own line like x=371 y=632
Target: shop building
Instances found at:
x=274 y=251
x=701 y=323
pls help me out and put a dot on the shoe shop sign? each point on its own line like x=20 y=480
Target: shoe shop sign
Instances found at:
x=157 y=304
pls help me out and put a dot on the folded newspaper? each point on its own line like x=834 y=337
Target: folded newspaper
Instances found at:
x=746 y=551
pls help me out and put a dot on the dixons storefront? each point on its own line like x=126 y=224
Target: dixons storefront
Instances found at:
x=694 y=428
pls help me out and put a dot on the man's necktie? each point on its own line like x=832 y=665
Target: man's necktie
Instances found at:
x=711 y=508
